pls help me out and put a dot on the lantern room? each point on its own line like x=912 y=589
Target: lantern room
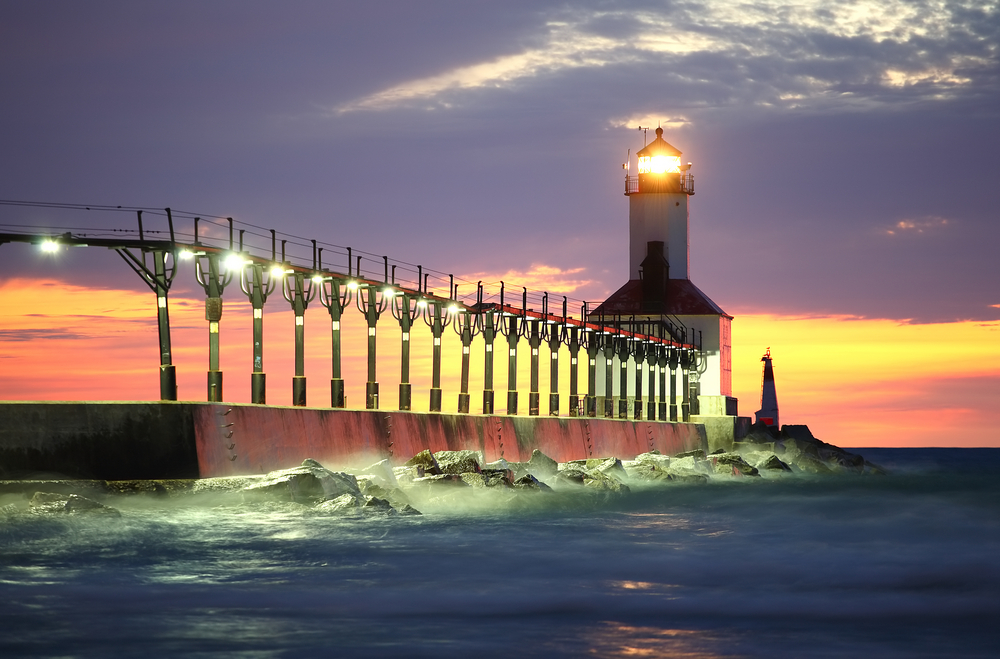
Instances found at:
x=660 y=169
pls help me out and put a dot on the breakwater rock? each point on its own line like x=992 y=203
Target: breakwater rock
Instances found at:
x=450 y=481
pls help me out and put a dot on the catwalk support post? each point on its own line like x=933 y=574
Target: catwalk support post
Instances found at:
x=158 y=279
x=405 y=310
x=257 y=284
x=298 y=291
x=335 y=295
x=489 y=335
x=213 y=281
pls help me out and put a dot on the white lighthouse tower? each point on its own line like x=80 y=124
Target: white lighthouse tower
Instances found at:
x=659 y=288
x=658 y=206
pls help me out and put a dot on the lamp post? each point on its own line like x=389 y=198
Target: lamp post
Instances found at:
x=624 y=350
x=513 y=326
x=661 y=362
x=533 y=395
x=685 y=383
x=335 y=296
x=487 y=319
x=593 y=342
x=257 y=282
x=652 y=356
x=673 y=360
x=608 y=341
x=158 y=279
x=639 y=352
x=298 y=291
x=214 y=282
x=434 y=318
x=466 y=329
x=405 y=309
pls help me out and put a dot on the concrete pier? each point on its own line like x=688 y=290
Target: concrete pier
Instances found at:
x=146 y=440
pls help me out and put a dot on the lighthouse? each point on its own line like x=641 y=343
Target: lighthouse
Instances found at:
x=658 y=206
x=660 y=296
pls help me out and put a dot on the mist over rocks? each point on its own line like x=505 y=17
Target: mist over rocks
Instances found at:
x=450 y=482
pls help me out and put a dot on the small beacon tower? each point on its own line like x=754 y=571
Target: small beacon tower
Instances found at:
x=768 y=412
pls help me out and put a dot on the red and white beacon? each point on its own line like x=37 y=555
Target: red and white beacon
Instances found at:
x=768 y=412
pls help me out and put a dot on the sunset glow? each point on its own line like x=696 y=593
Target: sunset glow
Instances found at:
x=855 y=382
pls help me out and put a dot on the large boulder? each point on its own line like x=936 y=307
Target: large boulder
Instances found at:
x=599 y=480
x=307 y=483
x=541 y=465
x=498 y=477
x=734 y=464
x=608 y=466
x=689 y=466
x=773 y=463
x=457 y=462
x=425 y=463
x=529 y=482
x=383 y=471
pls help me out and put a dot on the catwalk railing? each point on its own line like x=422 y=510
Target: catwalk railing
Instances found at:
x=222 y=253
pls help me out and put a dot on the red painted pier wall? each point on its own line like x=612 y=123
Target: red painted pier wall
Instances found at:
x=135 y=440
x=241 y=439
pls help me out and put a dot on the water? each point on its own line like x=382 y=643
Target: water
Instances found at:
x=897 y=566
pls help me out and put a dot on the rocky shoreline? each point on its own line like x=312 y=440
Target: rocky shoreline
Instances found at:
x=447 y=480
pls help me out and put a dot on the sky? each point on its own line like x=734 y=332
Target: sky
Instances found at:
x=844 y=154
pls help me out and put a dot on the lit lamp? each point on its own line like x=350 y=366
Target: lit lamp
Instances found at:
x=659 y=166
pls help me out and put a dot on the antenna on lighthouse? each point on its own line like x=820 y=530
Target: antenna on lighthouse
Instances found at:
x=644 y=129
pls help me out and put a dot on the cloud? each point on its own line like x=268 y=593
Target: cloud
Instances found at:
x=917 y=226
x=767 y=53
x=538 y=277
x=34 y=334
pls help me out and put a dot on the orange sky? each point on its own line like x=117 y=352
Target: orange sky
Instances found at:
x=855 y=382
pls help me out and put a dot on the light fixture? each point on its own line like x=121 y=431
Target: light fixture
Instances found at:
x=235 y=262
x=353 y=285
x=388 y=292
x=49 y=246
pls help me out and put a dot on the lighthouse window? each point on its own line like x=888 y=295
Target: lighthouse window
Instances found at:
x=659 y=164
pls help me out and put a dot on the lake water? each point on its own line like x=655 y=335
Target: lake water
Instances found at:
x=899 y=566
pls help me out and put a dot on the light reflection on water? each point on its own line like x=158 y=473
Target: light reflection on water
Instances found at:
x=783 y=569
